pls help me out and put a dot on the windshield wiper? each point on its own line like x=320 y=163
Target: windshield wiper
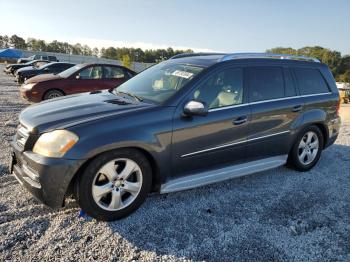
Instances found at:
x=139 y=99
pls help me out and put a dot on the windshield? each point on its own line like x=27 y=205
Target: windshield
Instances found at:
x=30 y=62
x=159 y=82
x=45 y=65
x=70 y=71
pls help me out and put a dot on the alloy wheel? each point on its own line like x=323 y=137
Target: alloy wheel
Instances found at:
x=117 y=184
x=308 y=148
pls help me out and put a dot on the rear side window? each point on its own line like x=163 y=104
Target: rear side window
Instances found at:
x=310 y=81
x=265 y=83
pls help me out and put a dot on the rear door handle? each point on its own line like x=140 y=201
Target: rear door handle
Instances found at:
x=297 y=108
x=240 y=120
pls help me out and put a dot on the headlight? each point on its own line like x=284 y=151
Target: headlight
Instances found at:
x=28 y=86
x=55 y=143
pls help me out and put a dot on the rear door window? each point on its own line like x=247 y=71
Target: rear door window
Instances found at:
x=290 y=89
x=310 y=81
x=266 y=83
x=112 y=72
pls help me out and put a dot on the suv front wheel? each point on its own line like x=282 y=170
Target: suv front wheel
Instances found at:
x=307 y=149
x=114 y=184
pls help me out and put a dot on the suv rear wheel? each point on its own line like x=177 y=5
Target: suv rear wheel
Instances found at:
x=114 y=184
x=307 y=149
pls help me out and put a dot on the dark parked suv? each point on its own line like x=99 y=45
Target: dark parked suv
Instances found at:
x=186 y=122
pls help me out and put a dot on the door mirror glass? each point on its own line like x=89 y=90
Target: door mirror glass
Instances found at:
x=195 y=108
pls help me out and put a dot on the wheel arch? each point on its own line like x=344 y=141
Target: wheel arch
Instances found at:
x=51 y=89
x=316 y=117
x=156 y=181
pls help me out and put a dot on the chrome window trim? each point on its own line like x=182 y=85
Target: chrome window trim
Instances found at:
x=227 y=107
x=266 y=101
x=320 y=94
x=233 y=144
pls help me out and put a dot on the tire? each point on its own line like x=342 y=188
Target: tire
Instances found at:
x=303 y=156
x=108 y=199
x=52 y=94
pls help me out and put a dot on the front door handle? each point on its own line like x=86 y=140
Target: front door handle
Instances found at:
x=297 y=108
x=240 y=120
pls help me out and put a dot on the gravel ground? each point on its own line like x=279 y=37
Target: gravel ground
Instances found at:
x=275 y=215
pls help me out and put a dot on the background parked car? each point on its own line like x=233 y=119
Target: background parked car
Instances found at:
x=12 y=68
x=78 y=79
x=50 y=68
x=50 y=58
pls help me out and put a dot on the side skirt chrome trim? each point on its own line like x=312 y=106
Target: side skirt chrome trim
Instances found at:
x=233 y=144
x=212 y=176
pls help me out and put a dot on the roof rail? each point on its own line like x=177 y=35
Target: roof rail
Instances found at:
x=194 y=54
x=268 y=55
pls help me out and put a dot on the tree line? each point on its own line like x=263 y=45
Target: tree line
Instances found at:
x=124 y=53
x=340 y=65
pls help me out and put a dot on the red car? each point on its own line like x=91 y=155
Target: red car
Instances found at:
x=77 y=79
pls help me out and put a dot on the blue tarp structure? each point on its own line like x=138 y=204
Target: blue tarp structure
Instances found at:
x=10 y=53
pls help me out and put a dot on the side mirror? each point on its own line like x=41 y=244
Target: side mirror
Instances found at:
x=46 y=69
x=195 y=108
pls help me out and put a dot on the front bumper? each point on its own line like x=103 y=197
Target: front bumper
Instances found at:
x=47 y=179
x=29 y=95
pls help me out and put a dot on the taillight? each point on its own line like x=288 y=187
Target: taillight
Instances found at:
x=337 y=107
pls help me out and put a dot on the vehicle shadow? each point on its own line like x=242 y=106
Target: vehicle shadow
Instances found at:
x=247 y=218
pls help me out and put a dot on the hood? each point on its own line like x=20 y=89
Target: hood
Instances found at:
x=27 y=69
x=75 y=109
x=15 y=65
x=43 y=78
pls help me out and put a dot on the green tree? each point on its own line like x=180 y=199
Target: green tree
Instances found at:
x=77 y=49
x=5 y=42
x=87 y=50
x=95 y=52
x=344 y=77
x=126 y=61
x=17 y=42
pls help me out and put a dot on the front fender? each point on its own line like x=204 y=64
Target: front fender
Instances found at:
x=148 y=131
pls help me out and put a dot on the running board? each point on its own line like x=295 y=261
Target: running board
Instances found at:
x=212 y=176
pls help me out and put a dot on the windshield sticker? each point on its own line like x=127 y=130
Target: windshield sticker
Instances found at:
x=182 y=74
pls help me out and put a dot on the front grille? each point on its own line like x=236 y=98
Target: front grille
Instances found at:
x=22 y=136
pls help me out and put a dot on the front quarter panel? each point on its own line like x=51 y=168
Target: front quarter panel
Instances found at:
x=149 y=130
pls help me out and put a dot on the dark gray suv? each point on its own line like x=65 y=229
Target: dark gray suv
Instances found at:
x=183 y=123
